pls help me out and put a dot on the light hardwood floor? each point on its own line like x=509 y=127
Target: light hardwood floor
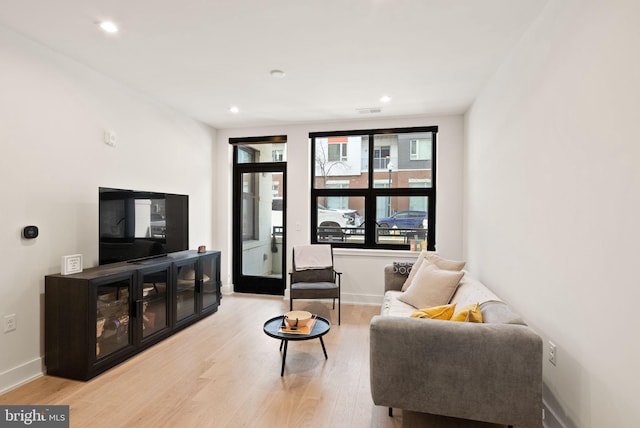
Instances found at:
x=225 y=372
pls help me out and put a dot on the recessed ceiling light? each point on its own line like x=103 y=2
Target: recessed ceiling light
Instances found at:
x=234 y=109
x=278 y=74
x=385 y=99
x=109 y=27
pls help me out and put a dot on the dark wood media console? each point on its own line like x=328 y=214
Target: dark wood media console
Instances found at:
x=102 y=316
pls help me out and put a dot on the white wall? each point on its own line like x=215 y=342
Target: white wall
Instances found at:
x=362 y=279
x=552 y=201
x=53 y=112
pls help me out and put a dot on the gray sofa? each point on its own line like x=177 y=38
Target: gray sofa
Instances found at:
x=490 y=371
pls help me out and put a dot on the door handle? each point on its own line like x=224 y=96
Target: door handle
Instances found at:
x=137 y=309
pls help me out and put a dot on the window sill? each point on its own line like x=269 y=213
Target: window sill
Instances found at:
x=360 y=252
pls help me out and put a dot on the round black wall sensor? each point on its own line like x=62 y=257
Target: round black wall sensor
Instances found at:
x=30 y=232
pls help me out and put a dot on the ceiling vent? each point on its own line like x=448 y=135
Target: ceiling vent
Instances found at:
x=369 y=110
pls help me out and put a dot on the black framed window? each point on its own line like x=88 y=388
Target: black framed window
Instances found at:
x=374 y=188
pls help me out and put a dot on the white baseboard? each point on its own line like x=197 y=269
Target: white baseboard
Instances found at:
x=554 y=414
x=20 y=375
x=550 y=418
x=352 y=298
x=362 y=299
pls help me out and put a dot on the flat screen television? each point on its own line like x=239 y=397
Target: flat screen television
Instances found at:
x=136 y=225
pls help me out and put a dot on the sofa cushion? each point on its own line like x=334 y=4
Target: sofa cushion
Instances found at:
x=469 y=291
x=472 y=291
x=431 y=287
x=391 y=306
x=469 y=313
x=498 y=312
x=432 y=258
x=442 y=312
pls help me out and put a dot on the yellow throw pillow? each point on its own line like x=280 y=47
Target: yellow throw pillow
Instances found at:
x=442 y=312
x=469 y=313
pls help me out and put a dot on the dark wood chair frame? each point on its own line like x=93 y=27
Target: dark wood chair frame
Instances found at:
x=327 y=281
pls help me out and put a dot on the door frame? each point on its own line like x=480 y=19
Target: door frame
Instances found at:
x=248 y=283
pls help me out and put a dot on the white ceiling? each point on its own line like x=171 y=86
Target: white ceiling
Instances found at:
x=203 y=56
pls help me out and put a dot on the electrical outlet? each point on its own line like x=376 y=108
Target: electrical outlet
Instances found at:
x=552 y=353
x=9 y=323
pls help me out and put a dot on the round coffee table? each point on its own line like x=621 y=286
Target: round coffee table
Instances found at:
x=272 y=328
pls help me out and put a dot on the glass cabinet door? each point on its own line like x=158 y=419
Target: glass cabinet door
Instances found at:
x=154 y=304
x=113 y=330
x=186 y=290
x=209 y=288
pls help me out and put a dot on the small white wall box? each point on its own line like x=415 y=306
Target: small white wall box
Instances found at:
x=71 y=264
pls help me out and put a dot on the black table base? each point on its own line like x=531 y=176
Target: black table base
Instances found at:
x=272 y=328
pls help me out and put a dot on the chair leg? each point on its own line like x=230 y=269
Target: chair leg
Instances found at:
x=334 y=303
x=391 y=411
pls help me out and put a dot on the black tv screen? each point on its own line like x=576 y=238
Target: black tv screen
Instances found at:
x=136 y=225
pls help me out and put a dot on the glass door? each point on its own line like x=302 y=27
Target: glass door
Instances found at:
x=153 y=304
x=210 y=288
x=113 y=329
x=259 y=218
x=186 y=297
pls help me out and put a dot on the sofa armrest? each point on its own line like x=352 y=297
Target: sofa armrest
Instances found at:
x=393 y=280
x=487 y=372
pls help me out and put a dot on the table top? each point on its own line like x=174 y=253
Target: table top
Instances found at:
x=272 y=327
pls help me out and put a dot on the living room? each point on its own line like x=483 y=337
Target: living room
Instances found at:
x=533 y=191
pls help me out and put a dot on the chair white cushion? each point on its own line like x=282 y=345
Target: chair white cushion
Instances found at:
x=317 y=256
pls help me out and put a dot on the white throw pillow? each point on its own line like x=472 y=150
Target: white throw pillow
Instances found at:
x=431 y=287
x=431 y=258
x=421 y=258
x=443 y=263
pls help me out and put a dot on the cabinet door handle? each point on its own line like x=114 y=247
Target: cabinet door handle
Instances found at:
x=138 y=309
x=199 y=284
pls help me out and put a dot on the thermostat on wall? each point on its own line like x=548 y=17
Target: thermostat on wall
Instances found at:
x=30 y=232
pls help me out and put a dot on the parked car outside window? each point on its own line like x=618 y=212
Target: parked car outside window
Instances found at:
x=410 y=219
x=328 y=217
